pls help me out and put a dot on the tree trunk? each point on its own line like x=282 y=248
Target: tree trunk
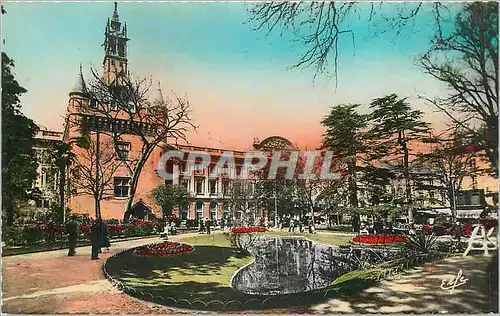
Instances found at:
x=312 y=215
x=353 y=190
x=97 y=207
x=407 y=180
x=135 y=177
x=492 y=142
x=62 y=187
x=97 y=180
x=453 y=201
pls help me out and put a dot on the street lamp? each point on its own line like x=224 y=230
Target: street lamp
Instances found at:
x=275 y=207
x=453 y=199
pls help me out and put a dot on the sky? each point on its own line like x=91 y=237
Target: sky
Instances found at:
x=238 y=80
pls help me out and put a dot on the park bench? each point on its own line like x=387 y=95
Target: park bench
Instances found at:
x=168 y=230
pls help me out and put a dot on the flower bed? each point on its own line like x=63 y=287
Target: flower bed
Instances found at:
x=247 y=230
x=39 y=232
x=166 y=248
x=242 y=238
x=379 y=239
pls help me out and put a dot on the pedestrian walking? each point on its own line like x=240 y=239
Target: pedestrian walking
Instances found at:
x=105 y=236
x=208 y=224
x=72 y=231
x=95 y=236
x=458 y=231
x=201 y=226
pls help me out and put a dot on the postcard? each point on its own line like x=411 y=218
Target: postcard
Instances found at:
x=172 y=157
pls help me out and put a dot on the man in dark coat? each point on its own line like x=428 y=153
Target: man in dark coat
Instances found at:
x=208 y=223
x=458 y=230
x=71 y=230
x=105 y=236
x=95 y=238
x=356 y=225
x=201 y=226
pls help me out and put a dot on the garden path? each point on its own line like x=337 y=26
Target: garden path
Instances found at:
x=51 y=282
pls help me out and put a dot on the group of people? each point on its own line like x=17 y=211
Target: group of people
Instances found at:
x=204 y=225
x=296 y=223
x=98 y=236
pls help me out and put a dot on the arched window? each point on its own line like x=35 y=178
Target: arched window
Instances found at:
x=199 y=209
x=213 y=210
x=183 y=211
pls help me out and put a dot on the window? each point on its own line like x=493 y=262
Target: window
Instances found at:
x=56 y=181
x=475 y=199
x=213 y=186
x=184 y=211
x=122 y=150
x=93 y=103
x=225 y=187
x=185 y=184
x=43 y=179
x=213 y=210
x=121 y=186
x=199 y=209
x=199 y=186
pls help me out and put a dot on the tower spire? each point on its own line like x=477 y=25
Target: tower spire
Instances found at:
x=159 y=100
x=116 y=17
x=115 y=47
x=80 y=87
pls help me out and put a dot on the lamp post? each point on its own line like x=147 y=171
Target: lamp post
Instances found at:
x=275 y=207
x=453 y=199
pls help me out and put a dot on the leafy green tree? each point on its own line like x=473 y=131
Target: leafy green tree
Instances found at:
x=18 y=157
x=376 y=181
x=277 y=196
x=465 y=59
x=243 y=196
x=169 y=197
x=346 y=136
x=394 y=126
x=63 y=157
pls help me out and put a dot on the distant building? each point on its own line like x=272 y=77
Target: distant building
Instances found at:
x=47 y=180
x=207 y=194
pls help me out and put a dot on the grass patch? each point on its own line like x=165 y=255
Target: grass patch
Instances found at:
x=322 y=238
x=203 y=274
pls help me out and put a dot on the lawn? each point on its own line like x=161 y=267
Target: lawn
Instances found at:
x=322 y=238
x=202 y=275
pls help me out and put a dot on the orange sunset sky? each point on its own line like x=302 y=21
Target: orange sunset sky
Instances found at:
x=238 y=80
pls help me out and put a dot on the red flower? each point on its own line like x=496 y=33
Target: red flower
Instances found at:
x=163 y=249
x=379 y=239
x=246 y=230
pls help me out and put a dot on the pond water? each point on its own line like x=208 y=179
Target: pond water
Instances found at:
x=292 y=265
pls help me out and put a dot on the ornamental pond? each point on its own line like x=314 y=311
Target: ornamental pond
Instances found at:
x=287 y=265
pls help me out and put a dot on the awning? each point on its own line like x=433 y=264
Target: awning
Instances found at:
x=469 y=213
x=431 y=212
x=444 y=211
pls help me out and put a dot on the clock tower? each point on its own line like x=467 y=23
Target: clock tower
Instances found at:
x=115 y=48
